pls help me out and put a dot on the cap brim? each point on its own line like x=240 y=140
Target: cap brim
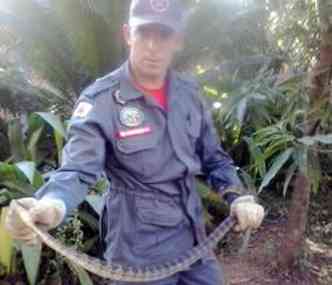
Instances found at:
x=136 y=21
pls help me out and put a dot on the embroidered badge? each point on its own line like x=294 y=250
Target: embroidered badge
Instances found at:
x=159 y=6
x=118 y=98
x=134 y=132
x=82 y=110
x=131 y=117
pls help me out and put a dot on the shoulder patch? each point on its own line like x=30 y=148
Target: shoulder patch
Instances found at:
x=82 y=109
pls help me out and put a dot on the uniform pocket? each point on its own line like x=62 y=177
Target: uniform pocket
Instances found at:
x=156 y=222
x=159 y=213
x=135 y=153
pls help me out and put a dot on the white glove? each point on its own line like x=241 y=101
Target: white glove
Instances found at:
x=249 y=214
x=47 y=212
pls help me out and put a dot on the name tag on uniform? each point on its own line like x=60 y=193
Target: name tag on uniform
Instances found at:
x=134 y=132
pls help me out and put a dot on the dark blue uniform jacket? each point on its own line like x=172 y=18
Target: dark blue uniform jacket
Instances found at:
x=152 y=211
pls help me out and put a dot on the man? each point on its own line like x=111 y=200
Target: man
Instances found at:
x=146 y=126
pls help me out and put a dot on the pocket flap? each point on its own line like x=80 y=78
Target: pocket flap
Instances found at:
x=135 y=144
x=156 y=212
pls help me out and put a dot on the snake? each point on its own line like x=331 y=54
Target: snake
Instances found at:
x=120 y=272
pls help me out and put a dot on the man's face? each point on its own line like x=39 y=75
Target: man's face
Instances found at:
x=152 y=49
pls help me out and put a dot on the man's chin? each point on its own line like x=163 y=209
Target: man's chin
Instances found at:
x=154 y=73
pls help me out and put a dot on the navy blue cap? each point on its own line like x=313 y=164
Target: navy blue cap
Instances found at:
x=170 y=13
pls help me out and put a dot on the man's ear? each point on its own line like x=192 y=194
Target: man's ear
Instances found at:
x=126 y=34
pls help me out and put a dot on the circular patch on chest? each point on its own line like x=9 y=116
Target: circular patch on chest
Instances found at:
x=131 y=117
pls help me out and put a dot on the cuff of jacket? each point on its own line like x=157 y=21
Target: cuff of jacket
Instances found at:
x=231 y=193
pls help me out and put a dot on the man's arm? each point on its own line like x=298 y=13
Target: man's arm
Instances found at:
x=83 y=162
x=221 y=174
x=217 y=166
x=83 y=157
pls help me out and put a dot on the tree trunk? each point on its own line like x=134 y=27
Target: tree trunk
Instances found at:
x=321 y=73
x=295 y=229
x=320 y=90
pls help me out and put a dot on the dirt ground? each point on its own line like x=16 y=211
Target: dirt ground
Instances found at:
x=257 y=266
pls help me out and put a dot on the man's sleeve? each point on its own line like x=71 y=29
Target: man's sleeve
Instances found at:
x=82 y=159
x=217 y=166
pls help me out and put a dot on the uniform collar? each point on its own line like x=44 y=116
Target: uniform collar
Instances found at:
x=173 y=86
x=127 y=89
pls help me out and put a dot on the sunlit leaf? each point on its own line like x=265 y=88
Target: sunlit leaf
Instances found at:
x=59 y=141
x=54 y=121
x=28 y=168
x=290 y=173
x=83 y=276
x=6 y=243
x=257 y=156
x=96 y=202
x=30 y=171
x=31 y=258
x=32 y=146
x=278 y=163
x=324 y=139
x=16 y=140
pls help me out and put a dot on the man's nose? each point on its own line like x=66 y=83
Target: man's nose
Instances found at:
x=152 y=42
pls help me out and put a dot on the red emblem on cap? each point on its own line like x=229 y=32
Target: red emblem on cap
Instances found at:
x=159 y=6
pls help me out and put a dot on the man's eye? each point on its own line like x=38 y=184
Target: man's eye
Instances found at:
x=141 y=32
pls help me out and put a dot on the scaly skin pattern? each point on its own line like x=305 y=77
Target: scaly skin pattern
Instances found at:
x=118 y=272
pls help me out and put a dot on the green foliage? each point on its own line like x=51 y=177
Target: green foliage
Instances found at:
x=233 y=30
x=15 y=183
x=281 y=149
x=20 y=178
x=17 y=93
x=77 y=42
x=294 y=28
x=6 y=245
x=277 y=164
x=83 y=276
x=31 y=257
x=71 y=234
x=264 y=118
x=30 y=171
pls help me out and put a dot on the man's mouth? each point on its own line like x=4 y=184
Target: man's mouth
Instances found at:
x=152 y=61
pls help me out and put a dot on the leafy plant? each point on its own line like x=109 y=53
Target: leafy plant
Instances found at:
x=6 y=244
x=19 y=177
x=275 y=148
x=59 y=58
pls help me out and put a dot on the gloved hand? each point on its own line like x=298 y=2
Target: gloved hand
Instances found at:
x=249 y=214
x=47 y=212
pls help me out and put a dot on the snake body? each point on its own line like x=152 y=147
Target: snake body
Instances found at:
x=120 y=272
